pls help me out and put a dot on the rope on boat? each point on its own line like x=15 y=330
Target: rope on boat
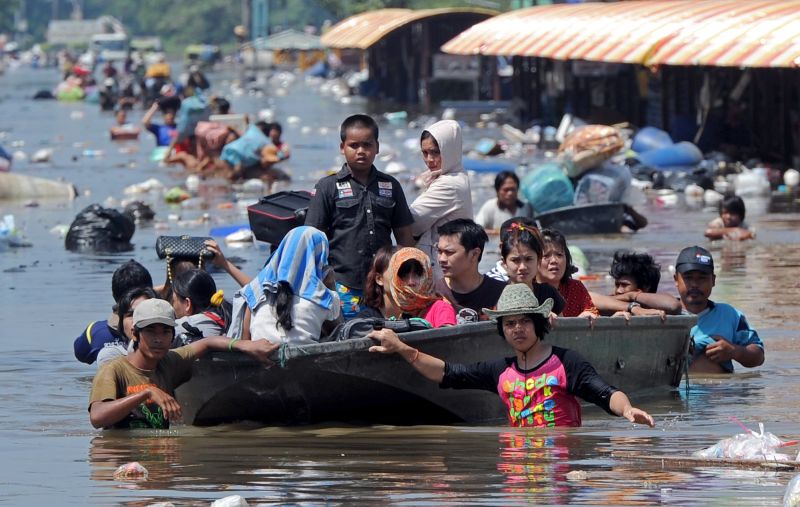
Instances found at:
x=283 y=355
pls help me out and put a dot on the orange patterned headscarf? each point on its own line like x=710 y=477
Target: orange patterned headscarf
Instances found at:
x=411 y=299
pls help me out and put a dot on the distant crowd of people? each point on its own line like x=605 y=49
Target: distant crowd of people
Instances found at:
x=343 y=264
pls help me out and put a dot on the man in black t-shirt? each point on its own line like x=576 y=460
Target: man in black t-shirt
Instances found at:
x=460 y=246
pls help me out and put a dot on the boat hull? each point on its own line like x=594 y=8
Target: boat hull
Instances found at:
x=603 y=218
x=343 y=381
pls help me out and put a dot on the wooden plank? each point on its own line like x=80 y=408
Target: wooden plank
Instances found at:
x=676 y=461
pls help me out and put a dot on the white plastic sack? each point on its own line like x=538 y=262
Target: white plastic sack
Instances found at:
x=792 y=496
x=230 y=501
x=746 y=446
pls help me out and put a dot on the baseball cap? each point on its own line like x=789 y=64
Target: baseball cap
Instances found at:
x=694 y=258
x=153 y=311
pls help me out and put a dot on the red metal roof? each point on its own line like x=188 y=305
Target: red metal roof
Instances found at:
x=753 y=33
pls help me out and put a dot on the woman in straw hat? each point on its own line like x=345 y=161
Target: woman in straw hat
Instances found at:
x=540 y=384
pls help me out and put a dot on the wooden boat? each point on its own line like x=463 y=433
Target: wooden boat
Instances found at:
x=603 y=218
x=343 y=381
x=22 y=186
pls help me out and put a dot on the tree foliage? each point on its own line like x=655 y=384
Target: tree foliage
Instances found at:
x=181 y=22
x=7 y=10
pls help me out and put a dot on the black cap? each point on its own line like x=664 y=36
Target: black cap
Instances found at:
x=694 y=258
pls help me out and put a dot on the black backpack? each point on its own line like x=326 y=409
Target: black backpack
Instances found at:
x=361 y=327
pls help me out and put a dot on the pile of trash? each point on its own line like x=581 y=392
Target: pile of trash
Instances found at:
x=760 y=446
x=587 y=170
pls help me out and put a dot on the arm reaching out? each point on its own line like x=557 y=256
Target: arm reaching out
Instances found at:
x=259 y=349
x=430 y=367
x=621 y=406
x=223 y=263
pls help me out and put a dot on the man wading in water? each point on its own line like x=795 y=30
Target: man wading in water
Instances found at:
x=138 y=390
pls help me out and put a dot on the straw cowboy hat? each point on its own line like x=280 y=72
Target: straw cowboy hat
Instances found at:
x=518 y=299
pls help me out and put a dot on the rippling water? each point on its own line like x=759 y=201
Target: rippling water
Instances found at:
x=52 y=456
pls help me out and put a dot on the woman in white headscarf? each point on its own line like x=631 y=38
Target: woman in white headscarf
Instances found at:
x=446 y=195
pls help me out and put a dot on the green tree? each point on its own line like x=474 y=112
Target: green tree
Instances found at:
x=7 y=10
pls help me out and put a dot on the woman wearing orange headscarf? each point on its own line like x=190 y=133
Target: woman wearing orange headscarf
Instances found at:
x=411 y=288
x=408 y=290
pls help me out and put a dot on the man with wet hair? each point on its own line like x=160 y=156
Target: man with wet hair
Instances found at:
x=636 y=276
x=103 y=333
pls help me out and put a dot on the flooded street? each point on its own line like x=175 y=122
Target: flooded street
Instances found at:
x=52 y=456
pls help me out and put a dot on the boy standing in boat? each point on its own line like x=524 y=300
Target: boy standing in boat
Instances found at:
x=722 y=333
x=358 y=208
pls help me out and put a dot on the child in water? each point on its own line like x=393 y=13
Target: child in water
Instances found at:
x=730 y=223
x=522 y=322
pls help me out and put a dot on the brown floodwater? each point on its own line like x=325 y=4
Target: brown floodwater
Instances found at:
x=52 y=456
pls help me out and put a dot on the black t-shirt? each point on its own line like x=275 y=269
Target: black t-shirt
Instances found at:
x=358 y=219
x=469 y=306
x=542 y=291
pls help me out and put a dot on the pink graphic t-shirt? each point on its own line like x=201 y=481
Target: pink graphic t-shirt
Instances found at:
x=540 y=398
x=543 y=396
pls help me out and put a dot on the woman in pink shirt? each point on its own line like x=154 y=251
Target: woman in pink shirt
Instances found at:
x=407 y=290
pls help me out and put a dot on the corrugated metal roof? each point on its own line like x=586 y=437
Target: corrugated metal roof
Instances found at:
x=363 y=30
x=747 y=33
x=757 y=33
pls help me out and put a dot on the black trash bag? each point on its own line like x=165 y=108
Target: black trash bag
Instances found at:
x=44 y=95
x=100 y=230
x=139 y=212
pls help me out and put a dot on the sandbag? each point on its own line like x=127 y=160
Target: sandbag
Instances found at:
x=589 y=146
x=247 y=149
x=193 y=109
x=606 y=183
x=100 y=230
x=547 y=188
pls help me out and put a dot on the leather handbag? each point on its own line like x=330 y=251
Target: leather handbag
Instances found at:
x=183 y=247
